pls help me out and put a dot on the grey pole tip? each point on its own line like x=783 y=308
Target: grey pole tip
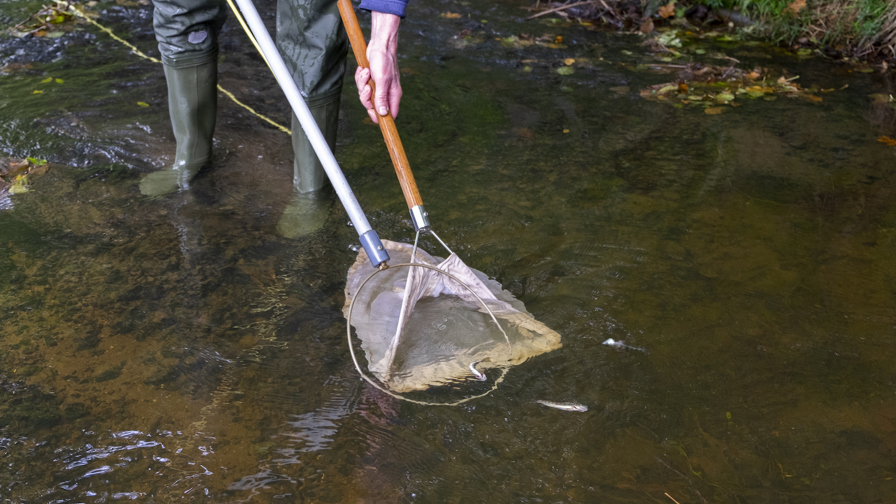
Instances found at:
x=376 y=252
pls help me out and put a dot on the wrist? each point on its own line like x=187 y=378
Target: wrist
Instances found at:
x=384 y=30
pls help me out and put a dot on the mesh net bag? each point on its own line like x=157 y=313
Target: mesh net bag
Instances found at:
x=419 y=328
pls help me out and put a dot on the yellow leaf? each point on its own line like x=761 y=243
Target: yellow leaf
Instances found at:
x=37 y=91
x=558 y=39
x=887 y=140
x=566 y=131
x=20 y=185
x=59 y=81
x=569 y=61
x=48 y=79
x=713 y=110
x=142 y=104
x=450 y=15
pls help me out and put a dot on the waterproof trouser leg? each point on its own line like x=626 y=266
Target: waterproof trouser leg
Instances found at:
x=314 y=44
x=192 y=103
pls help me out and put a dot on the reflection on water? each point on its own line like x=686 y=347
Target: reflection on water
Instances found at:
x=180 y=348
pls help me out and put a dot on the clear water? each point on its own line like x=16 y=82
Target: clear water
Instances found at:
x=180 y=348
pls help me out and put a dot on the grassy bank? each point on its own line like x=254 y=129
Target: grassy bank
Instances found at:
x=859 y=28
x=864 y=29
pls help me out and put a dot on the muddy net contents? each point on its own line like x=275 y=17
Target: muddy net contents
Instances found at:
x=419 y=328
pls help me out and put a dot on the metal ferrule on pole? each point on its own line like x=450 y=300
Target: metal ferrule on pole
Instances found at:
x=372 y=244
x=420 y=217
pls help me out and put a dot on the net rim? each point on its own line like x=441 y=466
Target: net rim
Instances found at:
x=351 y=348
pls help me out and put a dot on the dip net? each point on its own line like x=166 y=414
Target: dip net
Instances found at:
x=430 y=322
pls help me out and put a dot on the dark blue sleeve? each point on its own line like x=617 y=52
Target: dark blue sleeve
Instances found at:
x=386 y=6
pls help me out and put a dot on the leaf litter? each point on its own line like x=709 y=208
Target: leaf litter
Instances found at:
x=710 y=86
x=16 y=174
x=50 y=22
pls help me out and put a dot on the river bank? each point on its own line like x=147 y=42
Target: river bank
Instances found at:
x=862 y=30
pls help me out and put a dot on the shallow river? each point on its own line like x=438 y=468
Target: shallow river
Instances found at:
x=183 y=349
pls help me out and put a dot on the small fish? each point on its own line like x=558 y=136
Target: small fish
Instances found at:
x=620 y=345
x=478 y=374
x=565 y=406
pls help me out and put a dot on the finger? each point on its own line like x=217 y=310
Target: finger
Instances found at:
x=362 y=75
x=364 y=96
x=368 y=105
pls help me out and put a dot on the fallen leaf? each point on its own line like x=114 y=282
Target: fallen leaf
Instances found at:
x=37 y=91
x=753 y=75
x=20 y=185
x=142 y=104
x=713 y=110
x=724 y=97
x=12 y=166
x=569 y=61
x=36 y=161
x=566 y=131
x=566 y=70
x=682 y=88
x=887 y=140
x=39 y=169
x=814 y=98
x=795 y=6
x=647 y=26
x=48 y=79
x=667 y=10
x=558 y=39
x=524 y=133
x=450 y=15
x=59 y=81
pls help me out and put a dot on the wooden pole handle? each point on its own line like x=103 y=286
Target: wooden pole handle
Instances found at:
x=387 y=124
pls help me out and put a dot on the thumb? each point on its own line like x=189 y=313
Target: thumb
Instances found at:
x=381 y=100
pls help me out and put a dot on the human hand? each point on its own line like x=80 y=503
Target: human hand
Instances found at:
x=383 y=71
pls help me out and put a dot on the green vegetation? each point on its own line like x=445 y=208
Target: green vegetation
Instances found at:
x=858 y=27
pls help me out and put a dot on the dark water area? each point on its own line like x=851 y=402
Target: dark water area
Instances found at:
x=181 y=348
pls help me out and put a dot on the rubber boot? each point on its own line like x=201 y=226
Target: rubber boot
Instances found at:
x=192 y=104
x=310 y=207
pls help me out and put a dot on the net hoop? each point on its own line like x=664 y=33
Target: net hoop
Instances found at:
x=351 y=348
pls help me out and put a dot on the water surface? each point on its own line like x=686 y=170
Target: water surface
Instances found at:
x=181 y=348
